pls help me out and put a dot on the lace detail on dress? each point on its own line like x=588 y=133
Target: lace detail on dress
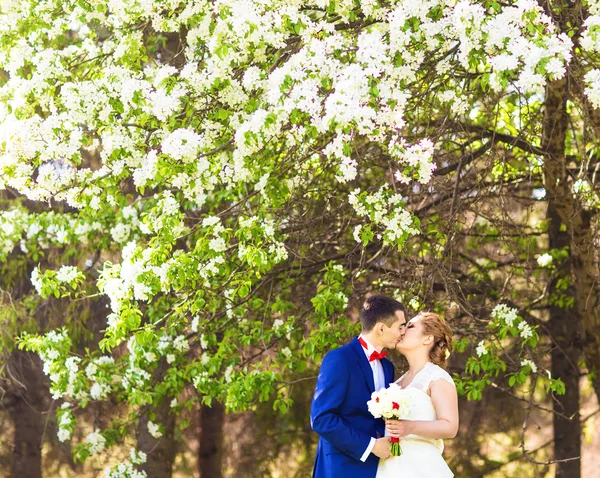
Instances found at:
x=429 y=373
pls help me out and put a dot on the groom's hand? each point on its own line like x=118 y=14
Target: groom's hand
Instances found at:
x=382 y=448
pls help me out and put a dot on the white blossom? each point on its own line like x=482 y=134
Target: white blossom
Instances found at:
x=227 y=376
x=182 y=144
x=100 y=390
x=181 y=344
x=507 y=315
x=356 y=233
x=544 y=260
x=530 y=364
x=154 y=430
x=262 y=182
x=67 y=274
x=217 y=244
x=71 y=364
x=203 y=341
x=211 y=221
x=63 y=434
x=96 y=442
x=124 y=470
x=525 y=330
x=36 y=280
x=137 y=457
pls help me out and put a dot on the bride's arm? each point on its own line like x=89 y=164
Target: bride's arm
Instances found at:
x=445 y=402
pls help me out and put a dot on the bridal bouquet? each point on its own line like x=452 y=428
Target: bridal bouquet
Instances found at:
x=391 y=403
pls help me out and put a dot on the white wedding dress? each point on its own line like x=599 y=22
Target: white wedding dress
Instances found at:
x=421 y=457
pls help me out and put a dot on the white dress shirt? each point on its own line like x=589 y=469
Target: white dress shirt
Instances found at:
x=379 y=379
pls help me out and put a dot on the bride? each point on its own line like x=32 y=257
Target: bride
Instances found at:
x=434 y=413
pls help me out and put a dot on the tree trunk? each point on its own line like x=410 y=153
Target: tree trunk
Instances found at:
x=26 y=414
x=572 y=213
x=578 y=224
x=211 y=440
x=564 y=328
x=160 y=452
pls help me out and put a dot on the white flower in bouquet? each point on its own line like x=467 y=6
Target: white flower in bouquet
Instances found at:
x=401 y=403
x=386 y=404
x=375 y=405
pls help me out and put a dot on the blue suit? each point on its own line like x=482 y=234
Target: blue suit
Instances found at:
x=340 y=416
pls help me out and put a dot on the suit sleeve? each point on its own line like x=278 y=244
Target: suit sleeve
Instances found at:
x=325 y=419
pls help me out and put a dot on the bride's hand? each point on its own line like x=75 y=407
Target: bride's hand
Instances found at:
x=399 y=428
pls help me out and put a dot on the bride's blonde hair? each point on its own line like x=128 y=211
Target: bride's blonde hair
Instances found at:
x=433 y=324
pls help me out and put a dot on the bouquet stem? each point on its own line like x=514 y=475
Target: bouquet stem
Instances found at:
x=395 y=448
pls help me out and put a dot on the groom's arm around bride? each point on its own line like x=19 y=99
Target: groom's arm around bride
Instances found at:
x=351 y=440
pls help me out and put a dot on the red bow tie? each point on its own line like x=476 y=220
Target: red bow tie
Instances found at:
x=375 y=355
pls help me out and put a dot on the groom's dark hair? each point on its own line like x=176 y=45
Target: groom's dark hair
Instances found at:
x=379 y=308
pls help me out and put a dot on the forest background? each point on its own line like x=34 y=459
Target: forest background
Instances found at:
x=196 y=197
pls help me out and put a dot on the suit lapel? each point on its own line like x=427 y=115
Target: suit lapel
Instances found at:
x=388 y=369
x=364 y=364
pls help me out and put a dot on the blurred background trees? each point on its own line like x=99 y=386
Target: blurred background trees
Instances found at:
x=243 y=280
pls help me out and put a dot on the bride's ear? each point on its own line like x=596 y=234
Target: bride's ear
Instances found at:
x=428 y=340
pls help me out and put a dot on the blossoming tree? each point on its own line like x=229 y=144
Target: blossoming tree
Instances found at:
x=236 y=171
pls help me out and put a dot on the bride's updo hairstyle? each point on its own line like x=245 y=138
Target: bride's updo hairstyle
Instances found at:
x=379 y=308
x=433 y=324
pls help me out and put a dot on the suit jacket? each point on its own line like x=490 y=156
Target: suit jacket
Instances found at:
x=340 y=416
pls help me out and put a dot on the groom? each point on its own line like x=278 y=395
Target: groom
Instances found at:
x=351 y=441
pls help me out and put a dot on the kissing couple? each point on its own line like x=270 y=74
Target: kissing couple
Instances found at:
x=355 y=444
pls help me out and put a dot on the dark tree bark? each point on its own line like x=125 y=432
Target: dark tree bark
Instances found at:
x=160 y=452
x=26 y=414
x=577 y=219
x=211 y=440
x=564 y=328
x=566 y=322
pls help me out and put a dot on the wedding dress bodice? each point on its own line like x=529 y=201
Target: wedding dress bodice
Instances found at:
x=422 y=406
x=429 y=373
x=419 y=458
